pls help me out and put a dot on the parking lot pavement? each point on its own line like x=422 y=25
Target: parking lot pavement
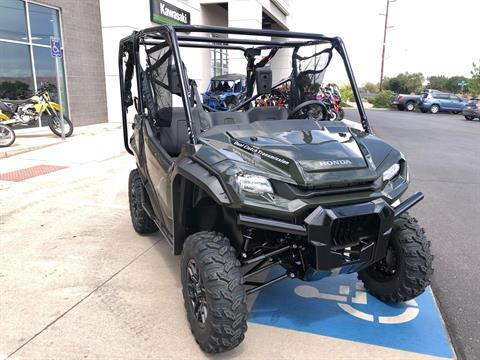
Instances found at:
x=78 y=282
x=443 y=155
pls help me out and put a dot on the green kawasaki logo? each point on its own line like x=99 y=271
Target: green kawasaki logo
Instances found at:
x=165 y=13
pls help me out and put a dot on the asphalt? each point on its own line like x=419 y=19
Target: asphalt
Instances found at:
x=443 y=153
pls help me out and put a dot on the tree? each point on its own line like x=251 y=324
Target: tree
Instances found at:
x=405 y=83
x=370 y=88
x=438 y=82
x=474 y=83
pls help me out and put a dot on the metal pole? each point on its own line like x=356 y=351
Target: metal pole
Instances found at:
x=59 y=94
x=380 y=87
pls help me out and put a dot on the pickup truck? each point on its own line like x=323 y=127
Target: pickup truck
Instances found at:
x=405 y=102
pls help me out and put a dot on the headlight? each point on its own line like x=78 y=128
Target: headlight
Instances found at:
x=255 y=184
x=391 y=172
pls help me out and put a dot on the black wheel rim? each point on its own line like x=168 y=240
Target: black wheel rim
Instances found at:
x=385 y=269
x=196 y=293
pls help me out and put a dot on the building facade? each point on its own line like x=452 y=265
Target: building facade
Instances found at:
x=90 y=31
x=26 y=63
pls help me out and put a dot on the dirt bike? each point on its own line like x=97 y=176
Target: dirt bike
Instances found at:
x=28 y=112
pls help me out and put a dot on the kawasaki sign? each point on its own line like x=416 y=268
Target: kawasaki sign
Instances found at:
x=162 y=12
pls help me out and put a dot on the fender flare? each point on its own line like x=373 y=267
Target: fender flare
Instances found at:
x=194 y=173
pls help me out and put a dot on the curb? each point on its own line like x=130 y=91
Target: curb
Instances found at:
x=7 y=154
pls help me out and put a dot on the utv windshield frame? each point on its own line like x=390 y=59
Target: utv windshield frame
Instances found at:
x=179 y=36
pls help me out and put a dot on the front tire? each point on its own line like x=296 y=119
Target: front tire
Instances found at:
x=406 y=270
x=467 y=117
x=434 y=109
x=140 y=220
x=56 y=127
x=213 y=291
x=341 y=114
x=7 y=135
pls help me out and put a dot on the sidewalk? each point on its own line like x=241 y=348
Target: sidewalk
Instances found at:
x=78 y=282
x=37 y=138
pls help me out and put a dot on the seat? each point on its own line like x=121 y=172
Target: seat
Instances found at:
x=17 y=102
x=174 y=136
x=267 y=113
x=228 y=118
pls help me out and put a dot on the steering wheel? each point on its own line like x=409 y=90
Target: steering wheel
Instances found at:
x=310 y=110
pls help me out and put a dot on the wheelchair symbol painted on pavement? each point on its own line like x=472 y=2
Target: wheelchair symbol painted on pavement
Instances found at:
x=410 y=312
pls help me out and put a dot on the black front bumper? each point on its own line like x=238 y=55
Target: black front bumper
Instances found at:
x=342 y=239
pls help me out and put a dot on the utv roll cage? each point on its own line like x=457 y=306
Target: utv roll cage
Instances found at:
x=179 y=36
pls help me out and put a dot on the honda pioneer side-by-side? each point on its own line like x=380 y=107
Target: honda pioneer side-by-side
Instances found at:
x=238 y=192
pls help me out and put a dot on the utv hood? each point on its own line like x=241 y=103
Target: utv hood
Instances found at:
x=305 y=152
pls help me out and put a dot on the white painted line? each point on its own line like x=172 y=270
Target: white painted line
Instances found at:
x=360 y=298
x=344 y=290
x=408 y=315
x=357 y=313
x=307 y=291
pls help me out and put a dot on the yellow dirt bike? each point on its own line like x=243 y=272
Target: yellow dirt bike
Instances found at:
x=28 y=112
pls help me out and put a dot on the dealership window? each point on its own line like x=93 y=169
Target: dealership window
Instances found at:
x=219 y=61
x=25 y=60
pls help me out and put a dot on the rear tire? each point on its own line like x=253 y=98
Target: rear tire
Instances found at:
x=410 y=106
x=409 y=251
x=434 y=109
x=333 y=115
x=140 y=220
x=7 y=135
x=467 y=117
x=55 y=126
x=213 y=291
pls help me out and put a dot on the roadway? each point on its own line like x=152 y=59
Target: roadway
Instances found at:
x=443 y=153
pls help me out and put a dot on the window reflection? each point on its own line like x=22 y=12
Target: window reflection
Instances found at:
x=16 y=80
x=43 y=24
x=13 y=24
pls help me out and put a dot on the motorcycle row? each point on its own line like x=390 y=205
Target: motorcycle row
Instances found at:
x=29 y=112
x=329 y=95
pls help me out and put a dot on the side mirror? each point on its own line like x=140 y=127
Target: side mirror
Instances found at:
x=263 y=77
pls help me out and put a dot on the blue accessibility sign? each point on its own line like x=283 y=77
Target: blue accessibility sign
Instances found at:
x=340 y=307
x=55 y=47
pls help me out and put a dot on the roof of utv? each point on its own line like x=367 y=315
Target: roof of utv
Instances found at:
x=249 y=41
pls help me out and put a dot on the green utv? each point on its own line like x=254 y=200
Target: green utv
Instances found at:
x=238 y=192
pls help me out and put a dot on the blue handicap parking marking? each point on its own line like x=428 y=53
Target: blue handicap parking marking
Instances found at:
x=340 y=307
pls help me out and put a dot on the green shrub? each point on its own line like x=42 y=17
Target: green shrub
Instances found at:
x=382 y=100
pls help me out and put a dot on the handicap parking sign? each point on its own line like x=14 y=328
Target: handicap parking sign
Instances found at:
x=340 y=307
x=55 y=47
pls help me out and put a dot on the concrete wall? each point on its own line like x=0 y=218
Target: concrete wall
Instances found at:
x=82 y=41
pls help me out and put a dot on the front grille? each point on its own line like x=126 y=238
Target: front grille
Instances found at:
x=352 y=231
x=292 y=192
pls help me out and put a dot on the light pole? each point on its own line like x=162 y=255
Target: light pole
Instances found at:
x=380 y=87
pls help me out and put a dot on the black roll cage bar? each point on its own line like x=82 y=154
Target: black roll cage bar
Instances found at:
x=131 y=44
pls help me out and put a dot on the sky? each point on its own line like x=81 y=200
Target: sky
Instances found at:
x=435 y=37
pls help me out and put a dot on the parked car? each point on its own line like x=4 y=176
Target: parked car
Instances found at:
x=225 y=91
x=404 y=102
x=409 y=102
x=440 y=101
x=472 y=109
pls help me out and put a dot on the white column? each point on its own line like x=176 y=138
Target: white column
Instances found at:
x=243 y=14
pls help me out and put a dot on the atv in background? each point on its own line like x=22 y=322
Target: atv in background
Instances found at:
x=238 y=192
x=225 y=91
